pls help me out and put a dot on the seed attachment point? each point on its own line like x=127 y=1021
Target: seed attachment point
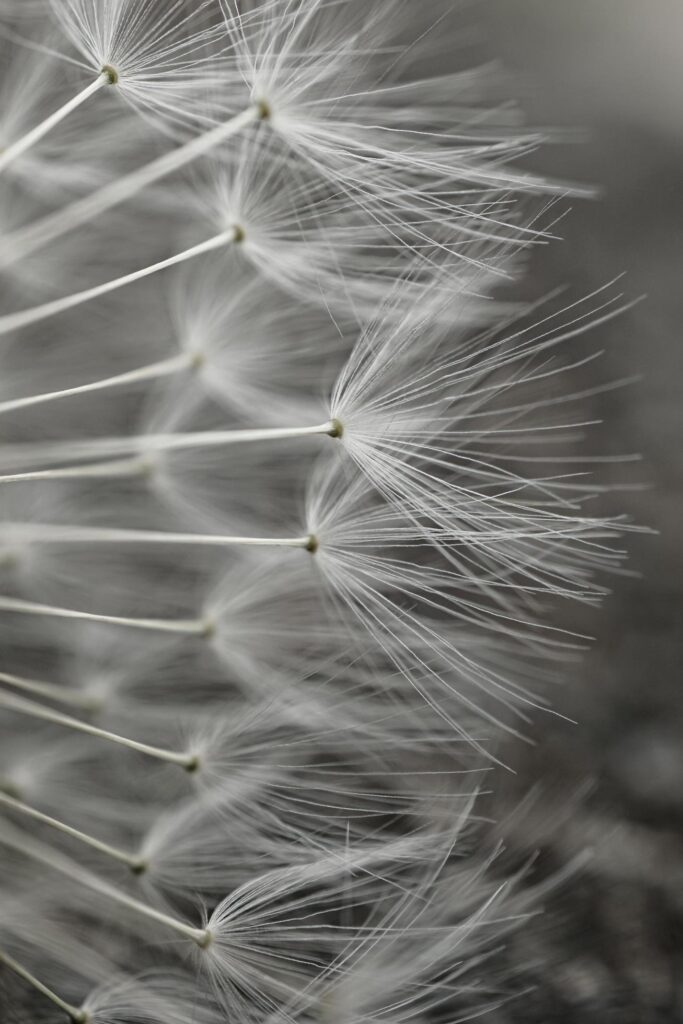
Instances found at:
x=191 y=766
x=313 y=544
x=336 y=429
x=264 y=110
x=208 y=629
x=112 y=74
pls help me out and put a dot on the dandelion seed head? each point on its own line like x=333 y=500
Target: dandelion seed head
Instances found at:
x=283 y=500
x=162 y=57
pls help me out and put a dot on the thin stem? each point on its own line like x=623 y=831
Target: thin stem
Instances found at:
x=25 y=317
x=38 y=234
x=40 y=533
x=109 y=447
x=74 y=1014
x=181 y=627
x=16 y=149
x=61 y=694
x=105 y=470
x=57 y=862
x=28 y=707
x=134 y=863
x=164 y=368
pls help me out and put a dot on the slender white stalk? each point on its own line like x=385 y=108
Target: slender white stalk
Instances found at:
x=57 y=862
x=45 y=230
x=105 y=470
x=60 y=694
x=134 y=863
x=26 y=317
x=109 y=447
x=181 y=627
x=16 y=149
x=164 y=368
x=74 y=1014
x=41 y=533
x=28 y=707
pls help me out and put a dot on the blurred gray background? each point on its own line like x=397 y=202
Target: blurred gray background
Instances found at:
x=613 y=941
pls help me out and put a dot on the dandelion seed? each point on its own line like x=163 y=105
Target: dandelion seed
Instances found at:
x=21 y=706
x=20 y=808
x=72 y=1012
x=52 y=859
x=163 y=58
x=19 y=147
